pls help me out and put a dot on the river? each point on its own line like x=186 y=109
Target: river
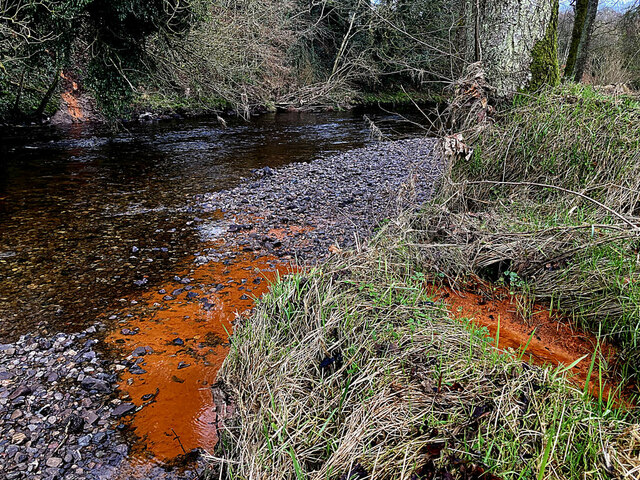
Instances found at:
x=102 y=226
x=76 y=204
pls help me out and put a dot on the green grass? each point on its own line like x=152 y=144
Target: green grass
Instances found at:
x=556 y=184
x=414 y=393
x=396 y=98
x=174 y=103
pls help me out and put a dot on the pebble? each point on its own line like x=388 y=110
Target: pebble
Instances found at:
x=54 y=462
x=49 y=422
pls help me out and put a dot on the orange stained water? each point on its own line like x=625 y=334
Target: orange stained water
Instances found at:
x=190 y=331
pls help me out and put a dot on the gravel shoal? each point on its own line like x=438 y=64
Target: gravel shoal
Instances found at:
x=337 y=199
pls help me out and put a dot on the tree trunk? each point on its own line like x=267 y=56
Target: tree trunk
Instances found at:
x=47 y=96
x=585 y=40
x=576 y=34
x=516 y=40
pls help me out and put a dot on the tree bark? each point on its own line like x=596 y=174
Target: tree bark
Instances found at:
x=576 y=34
x=585 y=40
x=516 y=40
x=47 y=96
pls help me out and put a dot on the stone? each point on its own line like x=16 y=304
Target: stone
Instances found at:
x=18 y=438
x=141 y=351
x=91 y=417
x=123 y=409
x=54 y=462
x=92 y=383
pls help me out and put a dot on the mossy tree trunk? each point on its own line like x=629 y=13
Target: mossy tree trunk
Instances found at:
x=516 y=40
x=576 y=34
x=585 y=40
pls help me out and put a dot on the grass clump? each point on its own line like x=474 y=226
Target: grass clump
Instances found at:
x=551 y=192
x=352 y=372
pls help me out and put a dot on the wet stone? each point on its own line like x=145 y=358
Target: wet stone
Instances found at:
x=141 y=351
x=123 y=409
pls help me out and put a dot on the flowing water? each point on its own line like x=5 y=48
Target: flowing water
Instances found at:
x=96 y=225
x=84 y=214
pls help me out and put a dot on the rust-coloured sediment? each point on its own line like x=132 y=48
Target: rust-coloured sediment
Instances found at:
x=548 y=338
x=70 y=97
x=188 y=336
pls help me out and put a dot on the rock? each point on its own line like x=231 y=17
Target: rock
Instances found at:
x=54 y=462
x=90 y=355
x=141 y=351
x=18 y=438
x=177 y=341
x=123 y=409
x=92 y=383
x=21 y=391
x=90 y=417
x=20 y=457
x=182 y=365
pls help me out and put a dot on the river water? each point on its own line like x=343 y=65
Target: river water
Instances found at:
x=100 y=226
x=84 y=213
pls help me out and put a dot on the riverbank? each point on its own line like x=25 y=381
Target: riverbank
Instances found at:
x=356 y=370
x=486 y=334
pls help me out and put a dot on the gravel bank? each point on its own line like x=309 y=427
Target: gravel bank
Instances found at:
x=57 y=415
x=337 y=199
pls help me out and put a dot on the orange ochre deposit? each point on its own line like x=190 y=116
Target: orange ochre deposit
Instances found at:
x=185 y=325
x=548 y=338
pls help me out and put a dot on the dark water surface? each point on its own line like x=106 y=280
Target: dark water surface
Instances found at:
x=88 y=216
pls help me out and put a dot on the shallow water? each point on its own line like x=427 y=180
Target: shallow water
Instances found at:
x=96 y=226
x=85 y=214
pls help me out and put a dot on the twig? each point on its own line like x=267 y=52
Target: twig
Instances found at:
x=176 y=437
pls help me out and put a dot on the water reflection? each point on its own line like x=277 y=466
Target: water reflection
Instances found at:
x=85 y=213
